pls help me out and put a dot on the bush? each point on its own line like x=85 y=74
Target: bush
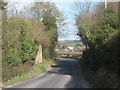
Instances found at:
x=101 y=58
x=21 y=38
x=46 y=53
x=17 y=48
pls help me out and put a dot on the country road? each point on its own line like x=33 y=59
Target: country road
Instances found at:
x=64 y=74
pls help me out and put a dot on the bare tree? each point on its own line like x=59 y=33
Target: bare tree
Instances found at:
x=39 y=8
x=84 y=15
x=12 y=9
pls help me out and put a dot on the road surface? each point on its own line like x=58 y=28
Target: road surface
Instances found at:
x=64 y=74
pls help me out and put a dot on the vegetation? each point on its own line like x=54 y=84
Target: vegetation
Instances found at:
x=22 y=35
x=36 y=70
x=23 y=31
x=50 y=22
x=101 y=40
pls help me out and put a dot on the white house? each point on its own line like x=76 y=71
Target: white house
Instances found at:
x=70 y=47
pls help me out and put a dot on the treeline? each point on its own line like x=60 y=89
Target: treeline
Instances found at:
x=23 y=32
x=100 y=32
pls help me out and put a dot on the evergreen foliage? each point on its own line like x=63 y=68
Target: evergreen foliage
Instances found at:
x=21 y=37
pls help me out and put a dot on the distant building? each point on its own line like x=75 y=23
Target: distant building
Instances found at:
x=66 y=50
x=56 y=50
x=77 y=49
x=70 y=48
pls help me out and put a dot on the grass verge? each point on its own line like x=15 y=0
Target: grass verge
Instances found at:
x=37 y=70
x=100 y=78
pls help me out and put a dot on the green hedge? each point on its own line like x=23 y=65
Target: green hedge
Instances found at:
x=17 y=48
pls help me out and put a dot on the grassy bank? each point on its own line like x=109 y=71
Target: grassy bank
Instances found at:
x=37 y=70
x=100 y=78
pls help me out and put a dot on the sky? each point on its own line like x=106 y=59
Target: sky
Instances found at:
x=70 y=30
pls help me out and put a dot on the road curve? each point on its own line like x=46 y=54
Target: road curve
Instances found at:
x=65 y=74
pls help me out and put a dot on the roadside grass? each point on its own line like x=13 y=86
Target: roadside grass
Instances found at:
x=37 y=70
x=100 y=78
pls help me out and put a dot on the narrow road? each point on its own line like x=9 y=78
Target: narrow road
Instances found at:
x=65 y=74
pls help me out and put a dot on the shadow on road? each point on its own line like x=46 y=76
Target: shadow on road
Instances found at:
x=70 y=67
